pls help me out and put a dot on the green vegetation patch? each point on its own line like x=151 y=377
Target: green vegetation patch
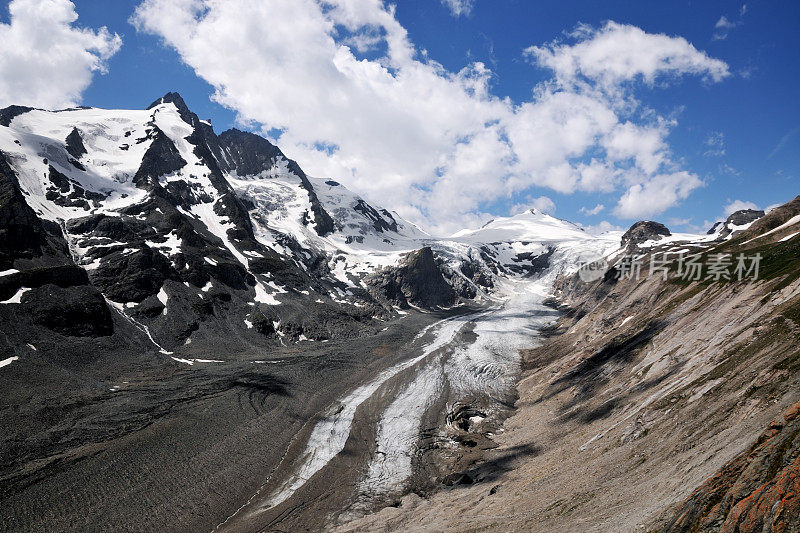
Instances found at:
x=778 y=260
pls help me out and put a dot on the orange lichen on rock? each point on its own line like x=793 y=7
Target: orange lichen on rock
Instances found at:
x=759 y=490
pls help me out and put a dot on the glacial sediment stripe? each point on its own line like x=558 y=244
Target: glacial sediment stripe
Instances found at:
x=330 y=434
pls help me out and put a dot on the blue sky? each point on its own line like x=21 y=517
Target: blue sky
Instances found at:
x=740 y=136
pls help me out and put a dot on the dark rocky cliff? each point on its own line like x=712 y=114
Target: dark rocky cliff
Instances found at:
x=416 y=281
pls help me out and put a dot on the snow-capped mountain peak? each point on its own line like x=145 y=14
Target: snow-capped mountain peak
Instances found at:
x=530 y=225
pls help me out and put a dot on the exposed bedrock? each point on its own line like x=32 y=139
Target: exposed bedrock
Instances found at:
x=643 y=231
x=417 y=280
x=759 y=490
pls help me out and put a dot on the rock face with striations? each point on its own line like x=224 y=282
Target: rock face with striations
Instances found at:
x=757 y=491
x=643 y=231
x=417 y=280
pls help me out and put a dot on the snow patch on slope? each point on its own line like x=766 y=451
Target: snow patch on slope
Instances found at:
x=109 y=167
x=8 y=361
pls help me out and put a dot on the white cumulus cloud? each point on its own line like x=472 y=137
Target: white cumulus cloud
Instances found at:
x=436 y=145
x=656 y=195
x=45 y=59
x=459 y=7
x=738 y=205
x=542 y=204
x=593 y=211
x=617 y=52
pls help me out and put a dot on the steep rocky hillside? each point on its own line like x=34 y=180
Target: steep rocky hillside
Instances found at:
x=756 y=491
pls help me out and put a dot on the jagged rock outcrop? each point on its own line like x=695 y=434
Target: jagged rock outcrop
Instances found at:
x=757 y=491
x=417 y=280
x=738 y=218
x=7 y=114
x=381 y=221
x=474 y=272
x=75 y=146
x=530 y=264
x=183 y=110
x=744 y=216
x=643 y=231
x=161 y=158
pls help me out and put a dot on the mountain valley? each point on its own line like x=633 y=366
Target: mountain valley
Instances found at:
x=196 y=335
